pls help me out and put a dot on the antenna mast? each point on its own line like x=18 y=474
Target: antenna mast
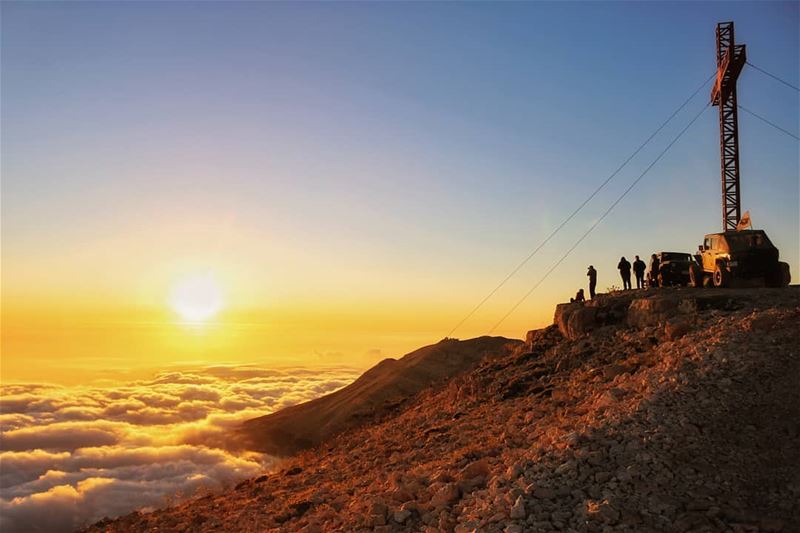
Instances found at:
x=731 y=58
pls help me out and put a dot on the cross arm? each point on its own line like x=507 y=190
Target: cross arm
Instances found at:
x=727 y=73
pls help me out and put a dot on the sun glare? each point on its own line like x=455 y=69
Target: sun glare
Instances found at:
x=197 y=298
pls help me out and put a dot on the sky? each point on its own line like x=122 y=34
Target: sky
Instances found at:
x=354 y=177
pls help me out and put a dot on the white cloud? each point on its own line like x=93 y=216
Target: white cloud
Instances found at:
x=61 y=436
x=74 y=455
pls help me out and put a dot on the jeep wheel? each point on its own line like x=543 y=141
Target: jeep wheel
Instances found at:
x=778 y=276
x=721 y=276
x=696 y=276
x=786 y=275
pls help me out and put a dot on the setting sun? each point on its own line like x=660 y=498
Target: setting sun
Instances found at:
x=197 y=298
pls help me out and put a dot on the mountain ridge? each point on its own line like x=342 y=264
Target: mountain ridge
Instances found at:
x=376 y=392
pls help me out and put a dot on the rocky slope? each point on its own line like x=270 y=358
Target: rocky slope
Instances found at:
x=669 y=410
x=378 y=392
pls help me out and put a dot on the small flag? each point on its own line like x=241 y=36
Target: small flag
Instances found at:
x=744 y=222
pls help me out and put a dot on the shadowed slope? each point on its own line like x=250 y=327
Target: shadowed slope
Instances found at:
x=377 y=391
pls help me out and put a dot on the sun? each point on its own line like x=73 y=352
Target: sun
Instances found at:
x=196 y=298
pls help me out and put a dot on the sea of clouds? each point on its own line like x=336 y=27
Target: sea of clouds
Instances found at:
x=70 y=456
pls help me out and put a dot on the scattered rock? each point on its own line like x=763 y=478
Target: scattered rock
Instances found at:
x=378 y=508
x=518 y=509
x=448 y=494
x=543 y=493
x=612 y=371
x=675 y=329
x=401 y=516
x=475 y=469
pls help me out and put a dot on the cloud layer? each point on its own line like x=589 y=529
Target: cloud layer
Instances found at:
x=73 y=455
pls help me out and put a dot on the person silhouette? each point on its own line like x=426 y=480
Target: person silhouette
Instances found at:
x=654 y=266
x=592 y=273
x=638 y=268
x=624 y=268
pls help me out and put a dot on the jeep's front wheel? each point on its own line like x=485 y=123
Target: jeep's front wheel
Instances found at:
x=696 y=276
x=722 y=278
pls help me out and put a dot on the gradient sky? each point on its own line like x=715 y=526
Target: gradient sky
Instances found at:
x=357 y=176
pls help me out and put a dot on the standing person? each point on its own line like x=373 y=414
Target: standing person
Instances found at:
x=592 y=273
x=624 y=268
x=638 y=269
x=655 y=264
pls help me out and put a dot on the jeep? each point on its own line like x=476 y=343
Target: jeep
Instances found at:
x=673 y=269
x=738 y=258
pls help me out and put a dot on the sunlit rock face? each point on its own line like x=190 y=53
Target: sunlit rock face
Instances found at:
x=73 y=455
x=637 y=309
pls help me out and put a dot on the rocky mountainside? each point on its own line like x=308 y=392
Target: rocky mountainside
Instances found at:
x=379 y=391
x=643 y=411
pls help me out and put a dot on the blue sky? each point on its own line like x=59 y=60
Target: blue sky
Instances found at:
x=405 y=153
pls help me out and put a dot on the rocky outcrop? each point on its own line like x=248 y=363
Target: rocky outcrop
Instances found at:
x=576 y=319
x=651 y=308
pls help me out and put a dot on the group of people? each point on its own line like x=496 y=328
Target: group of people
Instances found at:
x=625 y=267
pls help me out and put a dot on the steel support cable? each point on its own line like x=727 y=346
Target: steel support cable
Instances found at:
x=579 y=208
x=773 y=76
x=759 y=117
x=599 y=220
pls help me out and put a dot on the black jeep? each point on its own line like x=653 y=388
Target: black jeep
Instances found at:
x=673 y=269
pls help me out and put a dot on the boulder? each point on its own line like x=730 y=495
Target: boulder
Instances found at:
x=646 y=312
x=650 y=311
x=574 y=320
